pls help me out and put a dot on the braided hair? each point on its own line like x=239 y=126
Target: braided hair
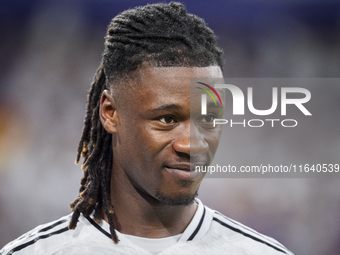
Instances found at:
x=159 y=35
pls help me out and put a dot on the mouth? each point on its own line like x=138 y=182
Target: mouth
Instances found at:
x=183 y=171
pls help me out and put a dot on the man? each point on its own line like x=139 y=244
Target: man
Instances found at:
x=141 y=141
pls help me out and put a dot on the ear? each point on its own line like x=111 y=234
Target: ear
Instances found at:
x=108 y=112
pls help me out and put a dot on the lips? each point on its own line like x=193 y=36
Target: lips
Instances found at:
x=183 y=171
x=184 y=167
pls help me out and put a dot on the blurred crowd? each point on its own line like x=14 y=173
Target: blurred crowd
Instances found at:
x=49 y=52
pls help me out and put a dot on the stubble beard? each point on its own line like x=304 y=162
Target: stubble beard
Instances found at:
x=179 y=200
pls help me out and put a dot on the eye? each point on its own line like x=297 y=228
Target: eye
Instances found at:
x=167 y=120
x=208 y=119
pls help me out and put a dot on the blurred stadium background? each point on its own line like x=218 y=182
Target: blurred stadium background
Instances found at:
x=49 y=51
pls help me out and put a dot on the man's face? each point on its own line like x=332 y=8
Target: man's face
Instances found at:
x=159 y=138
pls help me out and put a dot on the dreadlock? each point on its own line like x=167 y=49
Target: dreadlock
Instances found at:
x=160 y=35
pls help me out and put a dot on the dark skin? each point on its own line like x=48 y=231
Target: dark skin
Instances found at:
x=157 y=140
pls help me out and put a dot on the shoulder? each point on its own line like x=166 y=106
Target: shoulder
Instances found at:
x=55 y=238
x=244 y=237
x=44 y=239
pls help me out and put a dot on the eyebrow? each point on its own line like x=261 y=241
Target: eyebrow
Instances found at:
x=166 y=107
x=212 y=105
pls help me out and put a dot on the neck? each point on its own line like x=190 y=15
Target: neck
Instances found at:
x=139 y=214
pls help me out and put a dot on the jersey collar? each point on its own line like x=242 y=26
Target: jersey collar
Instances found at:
x=196 y=229
x=199 y=224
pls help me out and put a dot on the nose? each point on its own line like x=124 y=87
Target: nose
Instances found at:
x=190 y=141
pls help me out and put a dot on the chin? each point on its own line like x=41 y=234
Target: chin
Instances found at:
x=175 y=200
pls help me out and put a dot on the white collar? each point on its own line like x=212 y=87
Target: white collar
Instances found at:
x=196 y=229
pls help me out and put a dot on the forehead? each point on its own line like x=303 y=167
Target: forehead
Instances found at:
x=164 y=85
x=175 y=79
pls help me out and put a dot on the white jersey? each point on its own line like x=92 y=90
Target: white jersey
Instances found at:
x=209 y=232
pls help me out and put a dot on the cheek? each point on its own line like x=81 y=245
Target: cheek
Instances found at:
x=213 y=139
x=141 y=143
